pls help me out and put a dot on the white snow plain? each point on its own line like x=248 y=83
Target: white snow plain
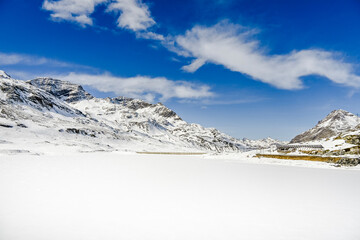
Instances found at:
x=117 y=195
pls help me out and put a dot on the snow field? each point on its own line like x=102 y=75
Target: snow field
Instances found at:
x=117 y=195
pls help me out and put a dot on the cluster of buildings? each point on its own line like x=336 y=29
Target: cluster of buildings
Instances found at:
x=290 y=147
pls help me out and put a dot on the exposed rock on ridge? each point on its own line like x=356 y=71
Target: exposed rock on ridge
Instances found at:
x=4 y=74
x=64 y=90
x=16 y=92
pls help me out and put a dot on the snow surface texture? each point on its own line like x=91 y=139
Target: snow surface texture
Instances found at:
x=141 y=197
x=49 y=112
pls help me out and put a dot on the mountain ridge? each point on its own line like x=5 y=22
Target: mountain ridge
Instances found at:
x=62 y=109
x=336 y=122
x=64 y=90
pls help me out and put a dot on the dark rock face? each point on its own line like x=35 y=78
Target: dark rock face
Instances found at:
x=64 y=90
x=165 y=112
x=131 y=103
x=4 y=75
x=5 y=125
x=136 y=104
x=337 y=122
x=21 y=92
x=350 y=162
x=352 y=139
x=86 y=132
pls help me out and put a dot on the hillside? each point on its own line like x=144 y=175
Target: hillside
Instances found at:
x=57 y=112
x=337 y=122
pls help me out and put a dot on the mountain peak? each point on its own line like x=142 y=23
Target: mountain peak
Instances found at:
x=340 y=116
x=336 y=122
x=65 y=90
x=3 y=74
x=339 y=112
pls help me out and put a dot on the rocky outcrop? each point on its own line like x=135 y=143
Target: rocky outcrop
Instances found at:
x=64 y=90
x=19 y=92
x=349 y=162
x=4 y=75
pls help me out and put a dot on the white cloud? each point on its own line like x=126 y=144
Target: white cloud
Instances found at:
x=8 y=59
x=144 y=87
x=212 y=102
x=77 y=11
x=195 y=65
x=150 y=35
x=141 y=86
x=135 y=15
x=23 y=66
x=234 y=47
x=226 y=44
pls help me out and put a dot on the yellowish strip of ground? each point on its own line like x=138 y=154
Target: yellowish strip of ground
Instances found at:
x=173 y=153
x=301 y=157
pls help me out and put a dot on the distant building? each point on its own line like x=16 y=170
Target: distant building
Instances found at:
x=287 y=147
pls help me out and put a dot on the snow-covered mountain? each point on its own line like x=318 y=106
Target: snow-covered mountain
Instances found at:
x=57 y=112
x=4 y=74
x=61 y=89
x=262 y=143
x=337 y=122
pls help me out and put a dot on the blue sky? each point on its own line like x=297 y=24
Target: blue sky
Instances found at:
x=251 y=68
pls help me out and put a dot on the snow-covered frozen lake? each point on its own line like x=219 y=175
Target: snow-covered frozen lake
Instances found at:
x=96 y=196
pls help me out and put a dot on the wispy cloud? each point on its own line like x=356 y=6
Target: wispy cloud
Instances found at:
x=219 y=101
x=235 y=48
x=194 y=65
x=8 y=59
x=150 y=35
x=77 y=11
x=13 y=58
x=133 y=14
x=230 y=45
x=148 y=88
x=144 y=87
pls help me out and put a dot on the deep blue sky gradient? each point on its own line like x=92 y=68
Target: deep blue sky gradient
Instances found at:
x=242 y=107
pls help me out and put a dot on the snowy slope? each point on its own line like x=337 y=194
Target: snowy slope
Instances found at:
x=59 y=112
